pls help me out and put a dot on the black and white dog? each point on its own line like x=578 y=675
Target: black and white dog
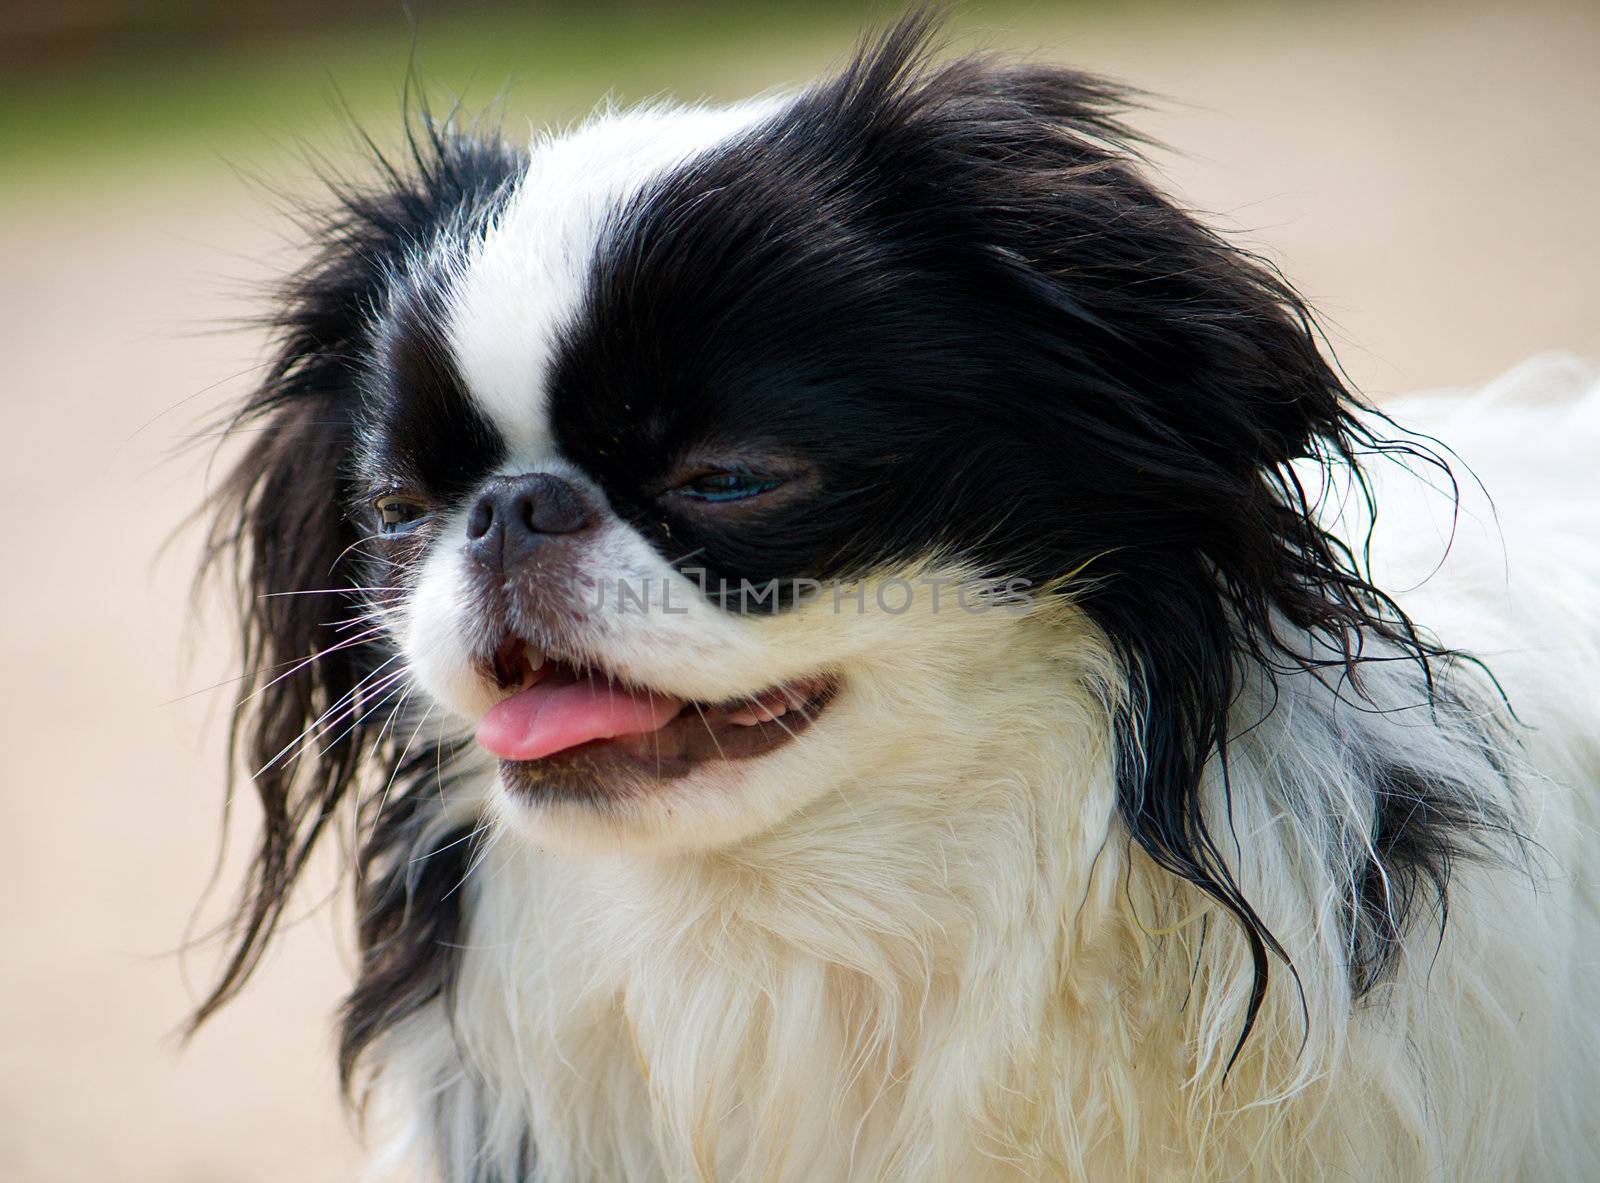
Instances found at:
x=859 y=643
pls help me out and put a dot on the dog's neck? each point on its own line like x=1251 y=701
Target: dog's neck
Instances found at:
x=868 y=984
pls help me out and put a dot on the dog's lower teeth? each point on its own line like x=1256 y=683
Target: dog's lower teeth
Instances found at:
x=758 y=712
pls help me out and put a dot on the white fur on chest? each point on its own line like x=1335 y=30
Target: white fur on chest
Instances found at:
x=857 y=997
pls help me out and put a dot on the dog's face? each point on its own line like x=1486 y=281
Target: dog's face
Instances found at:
x=701 y=462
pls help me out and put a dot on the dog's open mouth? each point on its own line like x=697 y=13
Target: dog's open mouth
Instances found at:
x=558 y=715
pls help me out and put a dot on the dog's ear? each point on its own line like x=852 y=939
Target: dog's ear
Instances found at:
x=283 y=535
x=1159 y=386
x=282 y=532
x=289 y=524
x=1186 y=380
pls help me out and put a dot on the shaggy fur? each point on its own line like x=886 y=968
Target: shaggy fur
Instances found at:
x=1198 y=860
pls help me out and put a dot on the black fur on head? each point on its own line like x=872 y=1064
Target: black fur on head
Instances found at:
x=993 y=337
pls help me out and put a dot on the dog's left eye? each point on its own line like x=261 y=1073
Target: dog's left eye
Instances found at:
x=726 y=486
x=397 y=514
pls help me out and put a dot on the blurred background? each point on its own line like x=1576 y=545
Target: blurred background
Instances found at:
x=1427 y=173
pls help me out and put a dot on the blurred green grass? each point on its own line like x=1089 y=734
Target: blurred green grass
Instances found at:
x=162 y=109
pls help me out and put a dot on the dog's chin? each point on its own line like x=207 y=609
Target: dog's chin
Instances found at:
x=707 y=778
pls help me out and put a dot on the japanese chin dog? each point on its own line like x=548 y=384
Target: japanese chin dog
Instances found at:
x=858 y=639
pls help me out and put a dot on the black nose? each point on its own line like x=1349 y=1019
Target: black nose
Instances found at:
x=515 y=514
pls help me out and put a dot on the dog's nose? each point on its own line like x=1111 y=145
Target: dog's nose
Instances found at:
x=514 y=515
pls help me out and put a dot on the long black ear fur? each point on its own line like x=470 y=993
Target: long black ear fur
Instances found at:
x=288 y=530
x=1178 y=379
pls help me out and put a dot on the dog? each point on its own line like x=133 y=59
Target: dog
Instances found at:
x=857 y=639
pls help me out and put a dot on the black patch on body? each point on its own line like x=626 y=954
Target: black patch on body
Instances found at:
x=1423 y=824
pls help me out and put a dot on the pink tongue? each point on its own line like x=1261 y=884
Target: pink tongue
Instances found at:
x=557 y=713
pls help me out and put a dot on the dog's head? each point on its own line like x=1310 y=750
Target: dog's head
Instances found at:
x=693 y=465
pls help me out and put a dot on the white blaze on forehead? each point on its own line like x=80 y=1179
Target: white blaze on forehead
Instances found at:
x=524 y=281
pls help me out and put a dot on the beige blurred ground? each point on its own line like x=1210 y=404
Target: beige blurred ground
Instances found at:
x=1428 y=175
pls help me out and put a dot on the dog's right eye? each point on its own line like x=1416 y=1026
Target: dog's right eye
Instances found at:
x=397 y=514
